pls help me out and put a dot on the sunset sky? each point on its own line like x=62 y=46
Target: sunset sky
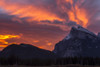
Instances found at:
x=43 y=23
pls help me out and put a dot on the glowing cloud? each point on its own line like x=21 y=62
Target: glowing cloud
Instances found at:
x=39 y=13
x=49 y=44
x=36 y=41
x=3 y=38
x=77 y=14
x=3 y=46
x=26 y=10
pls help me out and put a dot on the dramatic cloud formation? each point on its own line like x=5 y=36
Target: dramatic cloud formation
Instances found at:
x=45 y=22
x=28 y=9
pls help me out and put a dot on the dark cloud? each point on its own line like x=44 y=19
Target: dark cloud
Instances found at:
x=72 y=23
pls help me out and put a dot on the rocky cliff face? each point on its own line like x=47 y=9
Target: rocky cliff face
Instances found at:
x=79 y=42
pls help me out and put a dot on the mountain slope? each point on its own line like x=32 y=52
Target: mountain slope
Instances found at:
x=79 y=42
x=25 y=51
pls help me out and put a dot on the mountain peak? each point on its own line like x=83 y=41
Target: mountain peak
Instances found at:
x=79 y=32
x=26 y=45
x=80 y=28
x=79 y=42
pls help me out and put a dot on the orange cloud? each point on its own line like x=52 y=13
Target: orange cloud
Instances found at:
x=75 y=13
x=35 y=13
x=36 y=41
x=22 y=10
x=3 y=38
x=49 y=44
x=41 y=47
x=3 y=46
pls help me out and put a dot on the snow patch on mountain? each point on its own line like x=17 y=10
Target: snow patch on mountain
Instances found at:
x=79 y=32
x=68 y=37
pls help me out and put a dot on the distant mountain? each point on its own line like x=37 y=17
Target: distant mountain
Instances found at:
x=79 y=42
x=25 y=51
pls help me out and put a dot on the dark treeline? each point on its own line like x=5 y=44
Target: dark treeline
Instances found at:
x=47 y=62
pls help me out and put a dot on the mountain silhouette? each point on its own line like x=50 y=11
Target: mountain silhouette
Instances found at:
x=26 y=51
x=79 y=42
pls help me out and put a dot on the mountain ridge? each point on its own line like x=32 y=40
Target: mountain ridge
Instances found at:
x=26 y=51
x=79 y=42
